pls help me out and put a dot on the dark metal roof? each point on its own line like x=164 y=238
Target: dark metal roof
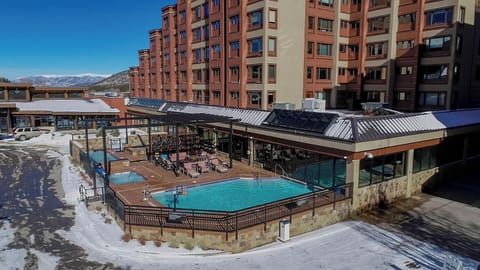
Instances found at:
x=146 y=102
x=300 y=120
x=246 y=116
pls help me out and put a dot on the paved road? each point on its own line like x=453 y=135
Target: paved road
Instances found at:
x=31 y=198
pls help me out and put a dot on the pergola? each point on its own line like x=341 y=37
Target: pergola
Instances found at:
x=169 y=119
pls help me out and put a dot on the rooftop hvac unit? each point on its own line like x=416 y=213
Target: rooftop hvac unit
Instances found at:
x=283 y=106
x=284 y=230
x=314 y=105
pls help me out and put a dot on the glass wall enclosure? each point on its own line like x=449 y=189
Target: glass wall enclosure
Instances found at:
x=382 y=168
x=425 y=158
x=310 y=167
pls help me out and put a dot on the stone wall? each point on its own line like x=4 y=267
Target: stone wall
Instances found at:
x=248 y=238
x=369 y=197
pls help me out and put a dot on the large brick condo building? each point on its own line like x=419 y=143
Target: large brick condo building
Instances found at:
x=415 y=55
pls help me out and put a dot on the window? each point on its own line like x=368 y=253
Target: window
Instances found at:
x=216 y=25
x=216 y=2
x=310 y=71
x=255 y=98
x=206 y=32
x=325 y=3
x=255 y=45
x=405 y=44
x=401 y=96
x=377 y=49
x=216 y=94
x=434 y=72
x=197 y=34
x=379 y=3
x=272 y=18
x=324 y=49
x=271 y=98
x=456 y=72
x=311 y=22
x=461 y=15
x=309 y=47
x=206 y=53
x=234 y=20
x=382 y=168
x=437 y=44
x=458 y=44
x=325 y=25
x=341 y=71
x=272 y=46
x=234 y=95
x=272 y=73
x=436 y=99
x=379 y=24
x=197 y=75
x=405 y=70
x=216 y=48
x=256 y=18
x=183 y=35
x=255 y=73
x=407 y=18
x=439 y=17
x=323 y=73
x=424 y=158
x=235 y=45
x=376 y=73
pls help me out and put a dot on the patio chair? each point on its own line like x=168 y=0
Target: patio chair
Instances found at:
x=218 y=166
x=188 y=169
x=203 y=167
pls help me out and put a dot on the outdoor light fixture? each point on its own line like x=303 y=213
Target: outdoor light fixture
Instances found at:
x=368 y=155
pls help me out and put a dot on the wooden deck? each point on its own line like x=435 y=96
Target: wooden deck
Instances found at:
x=158 y=178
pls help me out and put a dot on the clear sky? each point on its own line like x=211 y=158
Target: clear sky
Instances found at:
x=74 y=36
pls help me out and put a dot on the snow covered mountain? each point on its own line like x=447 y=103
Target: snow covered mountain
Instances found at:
x=81 y=80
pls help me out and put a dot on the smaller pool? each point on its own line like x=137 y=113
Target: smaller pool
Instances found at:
x=126 y=178
x=97 y=156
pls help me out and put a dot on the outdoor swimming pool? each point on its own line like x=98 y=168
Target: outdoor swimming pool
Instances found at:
x=97 y=156
x=125 y=178
x=234 y=194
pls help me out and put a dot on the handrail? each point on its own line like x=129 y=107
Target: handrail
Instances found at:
x=279 y=166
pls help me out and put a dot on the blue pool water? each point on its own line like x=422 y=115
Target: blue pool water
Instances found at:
x=97 y=156
x=235 y=194
x=125 y=178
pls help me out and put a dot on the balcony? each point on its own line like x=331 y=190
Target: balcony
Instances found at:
x=348 y=55
x=403 y=27
x=406 y=2
x=350 y=8
x=349 y=32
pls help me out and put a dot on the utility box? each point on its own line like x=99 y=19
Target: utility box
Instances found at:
x=284 y=230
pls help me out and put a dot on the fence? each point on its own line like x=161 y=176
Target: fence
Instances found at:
x=227 y=222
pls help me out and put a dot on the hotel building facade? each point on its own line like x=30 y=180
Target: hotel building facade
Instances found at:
x=415 y=55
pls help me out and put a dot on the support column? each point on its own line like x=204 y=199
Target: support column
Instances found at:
x=351 y=176
x=465 y=150
x=409 y=172
x=251 y=151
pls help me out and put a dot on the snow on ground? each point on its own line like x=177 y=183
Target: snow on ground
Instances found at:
x=10 y=258
x=345 y=245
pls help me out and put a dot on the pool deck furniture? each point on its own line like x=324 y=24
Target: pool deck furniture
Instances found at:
x=189 y=169
x=218 y=165
x=203 y=167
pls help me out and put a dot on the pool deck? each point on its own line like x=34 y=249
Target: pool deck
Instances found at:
x=158 y=178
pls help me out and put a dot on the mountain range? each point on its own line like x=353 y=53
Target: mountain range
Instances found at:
x=98 y=82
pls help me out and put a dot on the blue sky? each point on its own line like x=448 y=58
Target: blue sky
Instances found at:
x=74 y=36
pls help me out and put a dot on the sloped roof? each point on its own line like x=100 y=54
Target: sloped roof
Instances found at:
x=251 y=117
x=382 y=127
x=66 y=106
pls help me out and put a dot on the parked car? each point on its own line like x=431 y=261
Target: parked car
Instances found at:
x=6 y=137
x=26 y=133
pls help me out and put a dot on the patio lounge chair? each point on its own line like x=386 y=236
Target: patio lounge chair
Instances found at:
x=203 y=167
x=218 y=166
x=188 y=169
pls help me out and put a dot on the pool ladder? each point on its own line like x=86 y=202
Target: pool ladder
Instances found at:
x=284 y=174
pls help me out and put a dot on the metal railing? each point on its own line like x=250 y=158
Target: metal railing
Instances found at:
x=90 y=194
x=226 y=222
